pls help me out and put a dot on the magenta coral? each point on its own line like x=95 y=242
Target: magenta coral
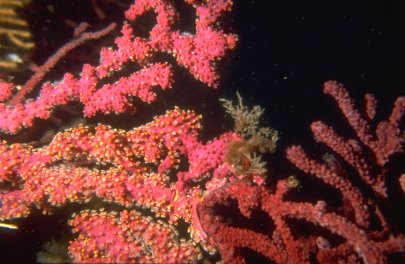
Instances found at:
x=59 y=173
x=198 y=53
x=150 y=182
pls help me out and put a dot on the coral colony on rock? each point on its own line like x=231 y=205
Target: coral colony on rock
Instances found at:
x=124 y=188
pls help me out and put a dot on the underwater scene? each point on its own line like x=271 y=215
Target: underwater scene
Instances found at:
x=202 y=131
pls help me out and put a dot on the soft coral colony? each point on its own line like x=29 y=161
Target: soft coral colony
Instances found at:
x=366 y=232
x=139 y=170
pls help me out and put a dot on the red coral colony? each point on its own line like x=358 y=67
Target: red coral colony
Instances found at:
x=133 y=198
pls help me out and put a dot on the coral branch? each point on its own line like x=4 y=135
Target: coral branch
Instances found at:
x=50 y=63
x=198 y=53
x=361 y=237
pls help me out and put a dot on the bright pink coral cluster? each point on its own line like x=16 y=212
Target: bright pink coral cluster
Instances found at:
x=161 y=167
x=128 y=237
x=138 y=165
x=159 y=176
x=198 y=53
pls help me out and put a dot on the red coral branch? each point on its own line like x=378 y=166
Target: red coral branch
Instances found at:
x=361 y=240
